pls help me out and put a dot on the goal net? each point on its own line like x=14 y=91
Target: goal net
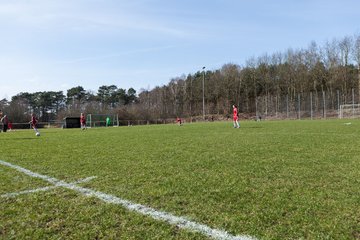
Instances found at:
x=102 y=120
x=349 y=111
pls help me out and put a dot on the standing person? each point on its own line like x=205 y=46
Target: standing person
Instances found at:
x=83 y=121
x=5 y=122
x=235 y=117
x=108 y=121
x=33 y=123
x=179 y=121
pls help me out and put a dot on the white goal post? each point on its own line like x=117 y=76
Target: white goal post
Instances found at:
x=102 y=120
x=349 y=111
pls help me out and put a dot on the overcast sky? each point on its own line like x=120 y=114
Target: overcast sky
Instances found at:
x=53 y=45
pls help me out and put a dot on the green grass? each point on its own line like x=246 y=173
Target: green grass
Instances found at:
x=270 y=180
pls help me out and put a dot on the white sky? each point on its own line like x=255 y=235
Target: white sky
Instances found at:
x=53 y=45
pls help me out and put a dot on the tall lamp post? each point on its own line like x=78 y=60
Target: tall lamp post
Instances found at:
x=203 y=87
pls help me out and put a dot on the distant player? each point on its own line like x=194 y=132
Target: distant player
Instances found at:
x=108 y=121
x=235 y=117
x=33 y=123
x=83 y=121
x=10 y=126
x=5 y=123
x=178 y=120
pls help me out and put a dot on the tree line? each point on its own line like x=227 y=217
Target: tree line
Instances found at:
x=263 y=84
x=257 y=87
x=52 y=106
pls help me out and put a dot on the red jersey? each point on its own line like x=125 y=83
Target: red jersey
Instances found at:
x=33 y=120
x=235 y=114
x=82 y=119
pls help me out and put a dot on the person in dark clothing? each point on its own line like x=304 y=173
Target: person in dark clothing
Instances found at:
x=5 y=122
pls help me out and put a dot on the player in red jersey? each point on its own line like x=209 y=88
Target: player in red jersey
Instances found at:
x=83 y=121
x=33 y=123
x=178 y=120
x=235 y=117
x=10 y=126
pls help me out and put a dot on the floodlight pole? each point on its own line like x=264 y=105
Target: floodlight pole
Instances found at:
x=203 y=87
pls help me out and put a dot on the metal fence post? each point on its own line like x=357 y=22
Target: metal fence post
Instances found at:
x=299 y=105
x=287 y=106
x=338 y=103
x=324 y=107
x=311 y=110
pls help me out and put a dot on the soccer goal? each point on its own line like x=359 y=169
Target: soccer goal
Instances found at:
x=349 y=111
x=102 y=120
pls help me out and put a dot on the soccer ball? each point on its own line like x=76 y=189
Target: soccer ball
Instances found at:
x=37 y=134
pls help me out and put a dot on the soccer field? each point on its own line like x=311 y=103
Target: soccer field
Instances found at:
x=266 y=180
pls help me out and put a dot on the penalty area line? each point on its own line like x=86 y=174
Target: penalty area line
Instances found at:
x=181 y=222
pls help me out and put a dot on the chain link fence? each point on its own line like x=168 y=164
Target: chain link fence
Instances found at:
x=311 y=105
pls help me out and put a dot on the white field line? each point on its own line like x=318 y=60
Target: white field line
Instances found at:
x=181 y=222
x=44 y=189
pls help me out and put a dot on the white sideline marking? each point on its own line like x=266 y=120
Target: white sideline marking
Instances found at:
x=181 y=222
x=43 y=189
